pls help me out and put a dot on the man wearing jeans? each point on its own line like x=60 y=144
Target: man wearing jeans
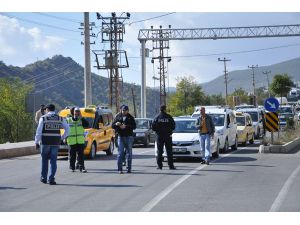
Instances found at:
x=206 y=128
x=124 y=124
x=48 y=134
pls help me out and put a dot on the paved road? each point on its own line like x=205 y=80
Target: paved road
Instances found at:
x=243 y=180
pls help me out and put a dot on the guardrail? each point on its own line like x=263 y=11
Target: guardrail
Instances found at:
x=10 y=150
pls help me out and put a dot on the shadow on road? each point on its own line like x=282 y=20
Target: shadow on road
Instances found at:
x=234 y=159
x=11 y=188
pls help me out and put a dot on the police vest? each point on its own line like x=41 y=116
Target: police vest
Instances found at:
x=51 y=129
x=76 y=135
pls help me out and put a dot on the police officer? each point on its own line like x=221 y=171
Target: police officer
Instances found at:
x=163 y=124
x=48 y=134
x=76 y=139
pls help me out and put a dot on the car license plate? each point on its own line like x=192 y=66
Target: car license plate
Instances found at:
x=179 y=149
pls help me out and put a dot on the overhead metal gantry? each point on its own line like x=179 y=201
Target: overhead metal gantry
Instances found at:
x=204 y=34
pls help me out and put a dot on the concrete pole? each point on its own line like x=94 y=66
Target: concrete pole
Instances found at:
x=143 y=83
x=87 y=61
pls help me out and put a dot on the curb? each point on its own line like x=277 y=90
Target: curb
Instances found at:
x=17 y=149
x=286 y=148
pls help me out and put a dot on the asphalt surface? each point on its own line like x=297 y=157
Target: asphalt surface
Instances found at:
x=238 y=181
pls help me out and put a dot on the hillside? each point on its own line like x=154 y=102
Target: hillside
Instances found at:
x=60 y=80
x=243 y=78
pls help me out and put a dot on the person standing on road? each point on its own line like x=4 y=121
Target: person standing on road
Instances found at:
x=76 y=139
x=124 y=124
x=48 y=135
x=163 y=124
x=206 y=130
x=39 y=113
x=116 y=138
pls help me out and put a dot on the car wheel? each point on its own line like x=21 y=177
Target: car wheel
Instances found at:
x=146 y=143
x=258 y=134
x=235 y=146
x=93 y=151
x=110 y=149
x=217 y=152
x=245 y=142
x=226 y=146
x=251 y=141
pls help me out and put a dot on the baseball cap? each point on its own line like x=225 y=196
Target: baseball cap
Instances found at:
x=125 y=108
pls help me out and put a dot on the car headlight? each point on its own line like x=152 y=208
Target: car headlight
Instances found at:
x=196 y=142
x=140 y=134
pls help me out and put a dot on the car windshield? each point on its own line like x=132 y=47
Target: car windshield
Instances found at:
x=90 y=120
x=285 y=110
x=185 y=126
x=240 y=120
x=254 y=116
x=141 y=124
x=218 y=119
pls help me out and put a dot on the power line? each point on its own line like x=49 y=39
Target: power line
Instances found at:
x=50 y=78
x=68 y=79
x=151 y=18
x=40 y=24
x=41 y=75
x=59 y=17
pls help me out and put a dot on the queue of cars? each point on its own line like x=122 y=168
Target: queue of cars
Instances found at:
x=232 y=128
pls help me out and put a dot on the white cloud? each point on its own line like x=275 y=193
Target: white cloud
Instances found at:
x=23 y=45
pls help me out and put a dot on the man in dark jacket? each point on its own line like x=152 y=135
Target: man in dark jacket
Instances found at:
x=124 y=124
x=206 y=128
x=163 y=124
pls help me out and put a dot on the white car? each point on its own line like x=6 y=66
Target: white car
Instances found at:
x=185 y=140
x=225 y=126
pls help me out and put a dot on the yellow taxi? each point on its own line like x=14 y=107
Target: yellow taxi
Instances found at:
x=99 y=135
x=245 y=128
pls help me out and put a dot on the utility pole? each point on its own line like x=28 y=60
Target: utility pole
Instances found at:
x=253 y=77
x=155 y=104
x=112 y=31
x=133 y=100
x=225 y=76
x=87 y=62
x=267 y=73
x=161 y=46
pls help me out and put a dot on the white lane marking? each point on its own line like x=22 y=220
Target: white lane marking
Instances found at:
x=284 y=191
x=150 y=205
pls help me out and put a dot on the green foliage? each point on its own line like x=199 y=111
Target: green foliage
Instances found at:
x=188 y=94
x=215 y=100
x=15 y=123
x=281 y=84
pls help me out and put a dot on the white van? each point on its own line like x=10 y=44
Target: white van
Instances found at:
x=225 y=125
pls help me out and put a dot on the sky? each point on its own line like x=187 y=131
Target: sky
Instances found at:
x=26 y=37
